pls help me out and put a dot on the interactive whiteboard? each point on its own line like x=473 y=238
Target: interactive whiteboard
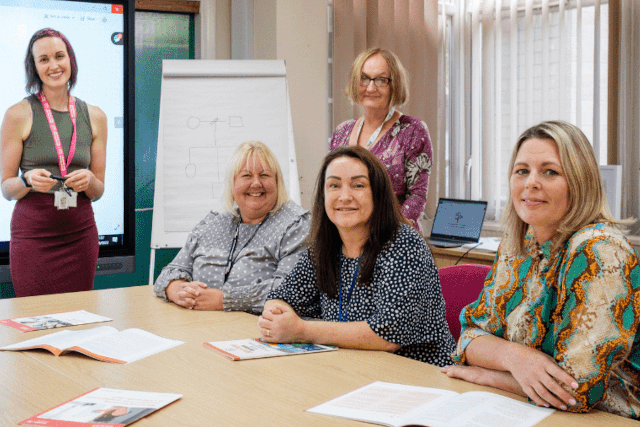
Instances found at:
x=207 y=108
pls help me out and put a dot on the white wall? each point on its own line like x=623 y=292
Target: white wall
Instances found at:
x=302 y=41
x=295 y=31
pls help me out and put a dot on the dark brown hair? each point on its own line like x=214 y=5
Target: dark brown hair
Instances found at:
x=324 y=240
x=34 y=83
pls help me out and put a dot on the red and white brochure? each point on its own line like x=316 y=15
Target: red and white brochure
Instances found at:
x=103 y=407
x=55 y=320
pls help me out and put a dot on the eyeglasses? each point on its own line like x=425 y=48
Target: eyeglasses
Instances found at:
x=378 y=81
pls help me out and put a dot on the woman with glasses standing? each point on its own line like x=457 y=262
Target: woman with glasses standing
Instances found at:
x=378 y=82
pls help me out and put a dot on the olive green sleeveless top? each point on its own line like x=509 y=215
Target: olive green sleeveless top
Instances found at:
x=39 y=150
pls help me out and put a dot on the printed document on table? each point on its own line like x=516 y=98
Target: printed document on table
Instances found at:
x=490 y=244
x=255 y=348
x=400 y=405
x=103 y=406
x=56 y=320
x=104 y=343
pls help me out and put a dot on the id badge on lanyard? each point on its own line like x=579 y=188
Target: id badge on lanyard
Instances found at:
x=64 y=198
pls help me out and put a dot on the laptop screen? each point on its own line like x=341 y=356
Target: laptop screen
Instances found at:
x=458 y=220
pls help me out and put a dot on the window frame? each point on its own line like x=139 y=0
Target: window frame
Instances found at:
x=460 y=118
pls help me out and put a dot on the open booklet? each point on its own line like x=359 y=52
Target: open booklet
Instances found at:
x=104 y=343
x=402 y=405
x=56 y=320
x=254 y=348
x=103 y=406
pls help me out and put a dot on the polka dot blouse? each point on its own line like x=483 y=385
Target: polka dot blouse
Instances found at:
x=403 y=304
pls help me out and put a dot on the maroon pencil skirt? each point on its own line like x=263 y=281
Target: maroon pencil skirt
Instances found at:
x=51 y=250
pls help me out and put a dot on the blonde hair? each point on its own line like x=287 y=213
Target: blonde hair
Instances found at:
x=257 y=151
x=399 y=80
x=587 y=198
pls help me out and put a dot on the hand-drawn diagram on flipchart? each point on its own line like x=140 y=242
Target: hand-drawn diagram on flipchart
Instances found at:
x=207 y=109
x=197 y=154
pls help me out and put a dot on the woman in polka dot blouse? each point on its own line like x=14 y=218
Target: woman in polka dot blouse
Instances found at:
x=233 y=259
x=370 y=278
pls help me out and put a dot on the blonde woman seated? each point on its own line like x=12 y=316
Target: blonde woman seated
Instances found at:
x=368 y=275
x=557 y=320
x=232 y=260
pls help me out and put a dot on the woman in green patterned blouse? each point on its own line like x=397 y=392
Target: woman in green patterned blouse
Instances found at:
x=558 y=318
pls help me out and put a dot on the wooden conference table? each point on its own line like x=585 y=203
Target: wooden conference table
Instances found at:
x=217 y=391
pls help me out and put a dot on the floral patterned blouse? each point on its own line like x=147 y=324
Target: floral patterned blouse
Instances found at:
x=405 y=150
x=580 y=305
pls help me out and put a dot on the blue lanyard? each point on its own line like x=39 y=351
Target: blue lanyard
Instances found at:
x=230 y=259
x=353 y=283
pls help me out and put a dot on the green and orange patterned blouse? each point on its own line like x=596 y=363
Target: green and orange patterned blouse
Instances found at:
x=580 y=305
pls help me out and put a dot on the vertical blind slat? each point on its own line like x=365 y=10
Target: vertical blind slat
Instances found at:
x=629 y=130
x=487 y=114
x=440 y=144
x=458 y=154
x=634 y=143
x=596 y=80
x=528 y=61
x=513 y=55
x=497 y=146
x=545 y=74
x=476 y=101
x=579 y=64
x=563 y=94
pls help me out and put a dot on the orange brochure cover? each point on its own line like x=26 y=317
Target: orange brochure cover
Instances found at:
x=103 y=407
x=55 y=320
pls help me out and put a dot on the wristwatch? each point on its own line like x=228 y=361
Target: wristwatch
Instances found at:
x=24 y=181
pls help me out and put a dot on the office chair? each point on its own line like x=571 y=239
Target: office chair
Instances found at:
x=461 y=285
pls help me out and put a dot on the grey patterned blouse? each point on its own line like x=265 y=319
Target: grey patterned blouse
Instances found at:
x=263 y=256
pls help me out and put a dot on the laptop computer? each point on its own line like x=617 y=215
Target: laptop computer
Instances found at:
x=457 y=222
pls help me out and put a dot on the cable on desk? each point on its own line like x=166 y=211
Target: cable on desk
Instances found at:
x=465 y=254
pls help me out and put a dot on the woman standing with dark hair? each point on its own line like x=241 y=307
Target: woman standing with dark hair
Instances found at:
x=370 y=277
x=59 y=143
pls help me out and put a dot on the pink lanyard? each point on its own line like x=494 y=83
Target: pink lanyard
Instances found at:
x=56 y=134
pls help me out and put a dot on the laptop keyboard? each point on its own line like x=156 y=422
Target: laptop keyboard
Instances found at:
x=443 y=244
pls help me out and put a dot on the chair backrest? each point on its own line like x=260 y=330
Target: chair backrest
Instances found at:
x=461 y=285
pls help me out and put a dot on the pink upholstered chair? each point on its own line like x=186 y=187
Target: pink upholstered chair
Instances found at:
x=461 y=285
